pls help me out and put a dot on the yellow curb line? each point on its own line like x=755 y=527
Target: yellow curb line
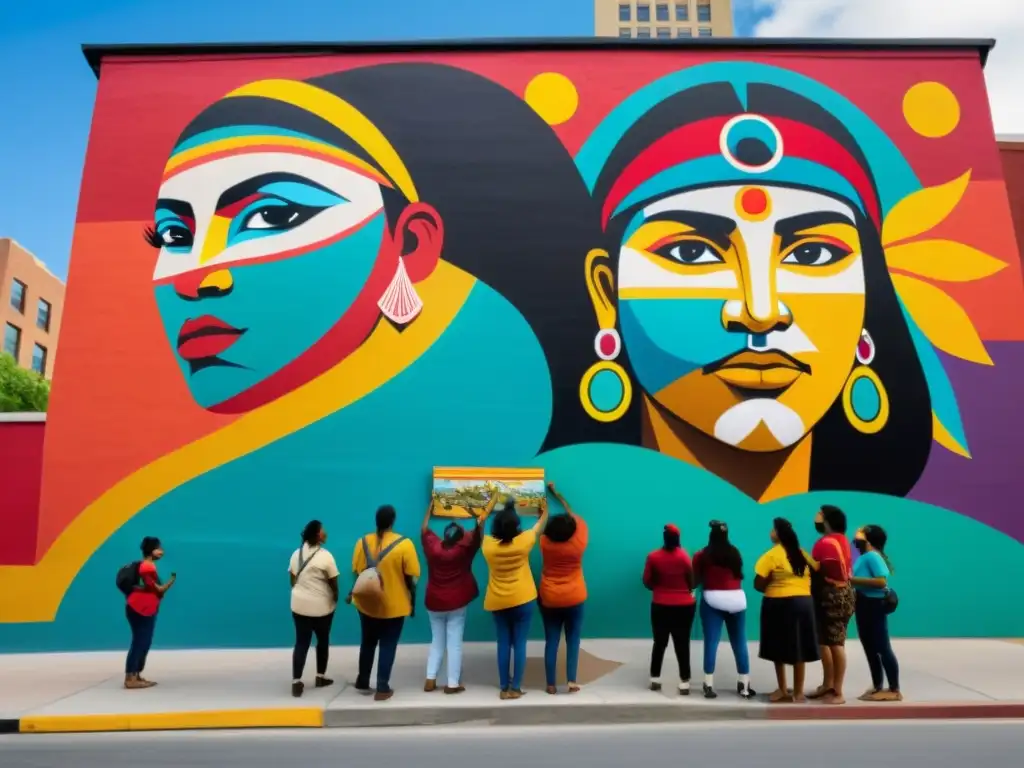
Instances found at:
x=174 y=721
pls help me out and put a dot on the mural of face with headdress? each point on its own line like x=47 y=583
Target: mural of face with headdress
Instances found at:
x=297 y=220
x=745 y=289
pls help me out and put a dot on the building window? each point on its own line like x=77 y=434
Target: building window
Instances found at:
x=18 y=295
x=643 y=31
x=643 y=13
x=39 y=359
x=12 y=340
x=704 y=12
x=625 y=32
x=664 y=33
x=684 y=32
x=704 y=32
x=43 y=314
x=661 y=11
x=625 y=12
x=682 y=11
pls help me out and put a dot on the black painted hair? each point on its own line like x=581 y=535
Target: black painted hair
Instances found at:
x=385 y=518
x=506 y=525
x=560 y=528
x=671 y=539
x=311 y=533
x=150 y=544
x=720 y=551
x=890 y=461
x=791 y=543
x=834 y=517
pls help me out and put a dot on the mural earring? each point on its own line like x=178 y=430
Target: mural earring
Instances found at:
x=865 y=401
x=605 y=389
x=400 y=302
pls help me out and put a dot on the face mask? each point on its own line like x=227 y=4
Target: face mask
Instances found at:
x=819 y=527
x=861 y=545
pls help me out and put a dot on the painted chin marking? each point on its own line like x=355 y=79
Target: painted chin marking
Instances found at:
x=739 y=422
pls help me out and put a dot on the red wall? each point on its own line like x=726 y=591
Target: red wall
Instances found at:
x=1012 y=155
x=21 y=473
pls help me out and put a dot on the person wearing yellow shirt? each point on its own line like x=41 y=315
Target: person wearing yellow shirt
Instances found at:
x=788 y=632
x=381 y=617
x=511 y=591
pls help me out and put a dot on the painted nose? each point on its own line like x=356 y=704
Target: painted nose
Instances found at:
x=197 y=285
x=738 y=317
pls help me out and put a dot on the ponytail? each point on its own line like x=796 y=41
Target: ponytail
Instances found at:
x=791 y=544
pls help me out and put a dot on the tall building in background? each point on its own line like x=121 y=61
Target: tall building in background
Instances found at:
x=665 y=19
x=31 y=305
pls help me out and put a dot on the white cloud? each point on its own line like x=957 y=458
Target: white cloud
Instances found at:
x=999 y=19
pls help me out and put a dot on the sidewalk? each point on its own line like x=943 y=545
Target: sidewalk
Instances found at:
x=245 y=688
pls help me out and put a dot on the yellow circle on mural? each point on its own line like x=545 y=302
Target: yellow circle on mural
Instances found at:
x=931 y=109
x=553 y=97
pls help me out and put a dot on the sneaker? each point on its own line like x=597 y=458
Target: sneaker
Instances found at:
x=655 y=686
x=454 y=689
x=297 y=689
x=709 y=692
x=323 y=682
x=383 y=695
x=429 y=686
x=745 y=691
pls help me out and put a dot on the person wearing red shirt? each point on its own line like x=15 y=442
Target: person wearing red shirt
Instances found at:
x=142 y=606
x=834 y=600
x=450 y=589
x=718 y=570
x=668 y=574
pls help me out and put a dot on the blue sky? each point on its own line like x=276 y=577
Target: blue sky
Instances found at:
x=47 y=89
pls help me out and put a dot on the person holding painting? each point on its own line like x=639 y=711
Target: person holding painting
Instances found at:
x=450 y=589
x=563 y=591
x=511 y=592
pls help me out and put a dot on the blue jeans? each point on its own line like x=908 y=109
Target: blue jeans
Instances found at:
x=446 y=630
x=711 y=620
x=142 y=640
x=873 y=629
x=513 y=626
x=385 y=634
x=555 y=619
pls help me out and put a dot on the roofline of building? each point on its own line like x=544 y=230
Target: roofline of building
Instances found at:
x=21 y=417
x=96 y=53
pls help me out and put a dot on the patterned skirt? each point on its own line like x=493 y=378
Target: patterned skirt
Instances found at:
x=834 y=609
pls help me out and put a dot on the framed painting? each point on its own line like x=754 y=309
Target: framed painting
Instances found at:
x=463 y=492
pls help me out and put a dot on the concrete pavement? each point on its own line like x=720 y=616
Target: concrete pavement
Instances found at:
x=941 y=744
x=250 y=688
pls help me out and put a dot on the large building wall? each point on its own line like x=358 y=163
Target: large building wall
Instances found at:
x=689 y=284
x=37 y=347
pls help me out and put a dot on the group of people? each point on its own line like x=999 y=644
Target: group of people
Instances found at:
x=808 y=601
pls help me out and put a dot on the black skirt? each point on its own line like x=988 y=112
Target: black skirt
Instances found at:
x=788 y=632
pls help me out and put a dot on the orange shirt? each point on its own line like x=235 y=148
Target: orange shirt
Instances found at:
x=561 y=580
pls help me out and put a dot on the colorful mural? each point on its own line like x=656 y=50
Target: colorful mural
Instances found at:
x=684 y=286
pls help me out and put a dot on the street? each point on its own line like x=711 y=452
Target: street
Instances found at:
x=937 y=744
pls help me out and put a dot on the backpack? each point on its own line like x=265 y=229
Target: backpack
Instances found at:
x=369 y=583
x=128 y=578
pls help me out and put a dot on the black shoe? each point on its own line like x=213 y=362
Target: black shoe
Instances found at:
x=323 y=682
x=709 y=692
x=363 y=688
x=745 y=691
x=655 y=686
x=297 y=689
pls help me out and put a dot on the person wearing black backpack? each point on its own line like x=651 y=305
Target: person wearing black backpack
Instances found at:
x=314 y=578
x=144 y=593
x=386 y=567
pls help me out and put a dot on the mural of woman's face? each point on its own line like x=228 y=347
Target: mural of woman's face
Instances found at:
x=741 y=308
x=261 y=253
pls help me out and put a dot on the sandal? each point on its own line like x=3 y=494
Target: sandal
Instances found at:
x=821 y=692
x=575 y=688
x=780 y=697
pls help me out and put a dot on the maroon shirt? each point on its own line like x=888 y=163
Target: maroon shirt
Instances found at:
x=450 y=582
x=714 y=577
x=668 y=575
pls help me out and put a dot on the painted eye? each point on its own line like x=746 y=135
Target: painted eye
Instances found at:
x=690 y=252
x=279 y=217
x=175 y=236
x=816 y=255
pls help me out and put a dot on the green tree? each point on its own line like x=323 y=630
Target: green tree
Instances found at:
x=21 y=390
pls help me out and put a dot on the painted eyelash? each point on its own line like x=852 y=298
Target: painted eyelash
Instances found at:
x=149 y=234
